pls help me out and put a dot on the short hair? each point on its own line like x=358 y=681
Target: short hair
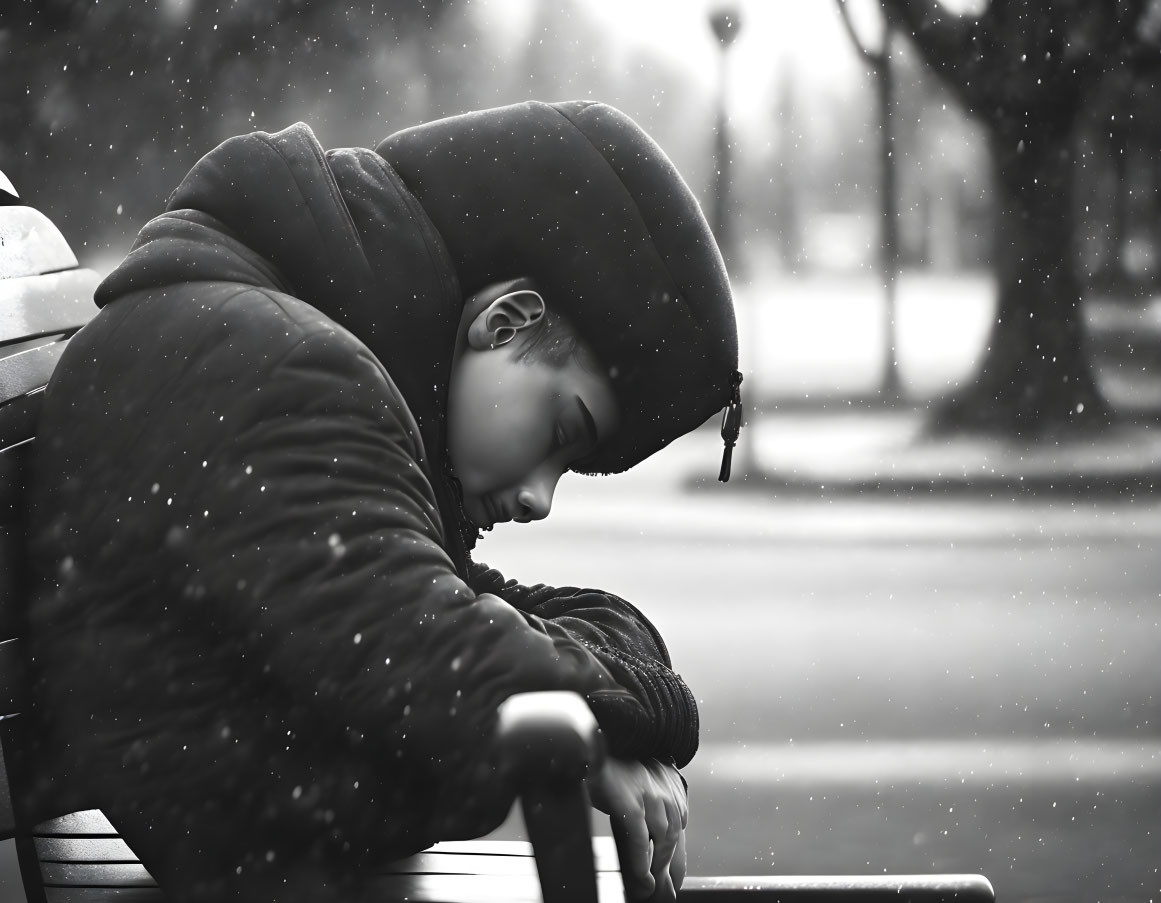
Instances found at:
x=555 y=341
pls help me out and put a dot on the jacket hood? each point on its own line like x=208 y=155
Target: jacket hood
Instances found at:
x=253 y=208
x=337 y=229
x=578 y=197
x=388 y=243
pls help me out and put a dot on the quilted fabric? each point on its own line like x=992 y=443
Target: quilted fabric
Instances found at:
x=258 y=625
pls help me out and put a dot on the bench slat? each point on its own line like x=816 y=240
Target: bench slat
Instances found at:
x=23 y=377
x=461 y=864
x=31 y=244
x=481 y=858
x=45 y=305
x=103 y=895
x=493 y=847
x=18 y=420
x=13 y=473
x=838 y=889
x=758 y=889
x=87 y=821
x=28 y=371
x=8 y=195
x=83 y=849
x=96 y=874
x=479 y=888
x=12 y=677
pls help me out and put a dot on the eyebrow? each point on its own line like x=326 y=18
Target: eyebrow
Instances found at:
x=590 y=423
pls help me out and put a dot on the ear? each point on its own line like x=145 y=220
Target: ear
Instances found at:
x=499 y=322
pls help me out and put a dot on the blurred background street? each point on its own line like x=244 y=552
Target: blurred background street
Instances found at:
x=963 y=684
x=923 y=618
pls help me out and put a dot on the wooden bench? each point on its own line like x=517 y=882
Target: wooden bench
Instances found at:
x=79 y=857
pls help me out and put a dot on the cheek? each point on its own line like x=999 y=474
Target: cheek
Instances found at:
x=489 y=433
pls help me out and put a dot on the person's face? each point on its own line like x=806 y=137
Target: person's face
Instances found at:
x=515 y=427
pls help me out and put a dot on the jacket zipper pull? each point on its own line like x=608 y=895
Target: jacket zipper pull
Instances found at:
x=731 y=425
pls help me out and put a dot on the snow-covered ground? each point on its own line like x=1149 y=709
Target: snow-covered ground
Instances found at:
x=825 y=337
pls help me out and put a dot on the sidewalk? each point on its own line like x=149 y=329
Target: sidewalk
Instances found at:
x=867 y=475
x=860 y=451
x=819 y=339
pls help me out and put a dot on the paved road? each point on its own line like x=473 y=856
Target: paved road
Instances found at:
x=948 y=686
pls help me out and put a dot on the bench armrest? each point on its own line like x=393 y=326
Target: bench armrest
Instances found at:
x=553 y=739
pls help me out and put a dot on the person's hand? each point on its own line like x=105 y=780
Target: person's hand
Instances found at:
x=649 y=810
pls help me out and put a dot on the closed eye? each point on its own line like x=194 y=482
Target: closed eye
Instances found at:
x=592 y=437
x=579 y=430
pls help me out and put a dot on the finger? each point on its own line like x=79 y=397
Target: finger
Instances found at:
x=677 y=865
x=670 y=779
x=682 y=798
x=663 y=823
x=679 y=792
x=665 y=892
x=631 y=835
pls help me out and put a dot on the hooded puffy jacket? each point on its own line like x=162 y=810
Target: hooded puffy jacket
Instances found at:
x=255 y=574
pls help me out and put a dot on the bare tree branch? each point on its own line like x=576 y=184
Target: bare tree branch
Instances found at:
x=875 y=60
x=948 y=43
x=942 y=38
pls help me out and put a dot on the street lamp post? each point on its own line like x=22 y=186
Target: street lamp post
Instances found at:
x=726 y=23
x=872 y=35
x=892 y=389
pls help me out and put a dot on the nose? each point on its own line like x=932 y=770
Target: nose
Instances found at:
x=534 y=500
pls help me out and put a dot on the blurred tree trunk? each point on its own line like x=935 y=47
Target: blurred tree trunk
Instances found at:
x=1024 y=68
x=1035 y=376
x=784 y=191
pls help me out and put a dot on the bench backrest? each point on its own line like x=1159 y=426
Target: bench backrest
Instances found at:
x=45 y=297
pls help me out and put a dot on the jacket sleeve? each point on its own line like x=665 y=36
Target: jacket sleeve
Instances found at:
x=632 y=650
x=307 y=538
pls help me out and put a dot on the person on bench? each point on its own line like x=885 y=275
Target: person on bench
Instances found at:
x=260 y=642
